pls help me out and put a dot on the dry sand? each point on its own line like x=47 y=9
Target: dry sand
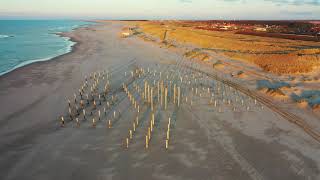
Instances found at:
x=207 y=143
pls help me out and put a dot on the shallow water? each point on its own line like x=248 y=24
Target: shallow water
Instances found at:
x=25 y=41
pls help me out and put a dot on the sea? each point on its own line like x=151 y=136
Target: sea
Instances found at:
x=26 y=41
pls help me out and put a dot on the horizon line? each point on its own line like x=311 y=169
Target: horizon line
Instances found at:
x=141 y=19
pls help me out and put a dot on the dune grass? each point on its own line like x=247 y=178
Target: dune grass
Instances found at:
x=271 y=54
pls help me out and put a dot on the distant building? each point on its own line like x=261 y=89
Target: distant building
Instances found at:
x=315 y=30
x=226 y=27
x=125 y=34
x=262 y=29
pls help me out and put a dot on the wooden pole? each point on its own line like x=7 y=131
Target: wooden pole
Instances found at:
x=158 y=90
x=178 y=96
x=174 y=94
x=81 y=104
x=149 y=133
x=70 y=113
x=78 y=122
x=152 y=119
x=167 y=143
x=151 y=99
x=147 y=142
x=130 y=134
x=161 y=99
x=93 y=122
x=109 y=123
x=145 y=90
x=62 y=122
x=94 y=104
x=165 y=98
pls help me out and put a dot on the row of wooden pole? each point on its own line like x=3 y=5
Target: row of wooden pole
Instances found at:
x=96 y=76
x=148 y=96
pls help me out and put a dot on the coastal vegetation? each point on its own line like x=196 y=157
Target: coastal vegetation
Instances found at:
x=281 y=56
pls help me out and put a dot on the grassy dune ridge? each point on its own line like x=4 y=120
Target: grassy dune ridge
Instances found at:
x=272 y=54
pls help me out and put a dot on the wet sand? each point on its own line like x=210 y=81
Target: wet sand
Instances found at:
x=206 y=144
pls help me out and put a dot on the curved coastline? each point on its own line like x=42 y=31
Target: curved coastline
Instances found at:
x=70 y=49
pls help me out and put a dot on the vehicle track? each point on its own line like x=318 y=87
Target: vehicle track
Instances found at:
x=219 y=136
x=267 y=102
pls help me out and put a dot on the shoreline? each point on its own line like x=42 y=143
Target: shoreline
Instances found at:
x=42 y=60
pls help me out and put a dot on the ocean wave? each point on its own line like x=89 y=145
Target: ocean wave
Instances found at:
x=67 y=47
x=64 y=28
x=4 y=36
x=60 y=52
x=58 y=28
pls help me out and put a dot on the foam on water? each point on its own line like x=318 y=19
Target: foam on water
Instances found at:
x=3 y=36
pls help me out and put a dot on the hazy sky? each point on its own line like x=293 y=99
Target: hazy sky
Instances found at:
x=160 y=9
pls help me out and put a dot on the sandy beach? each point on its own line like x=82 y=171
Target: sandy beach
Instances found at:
x=207 y=142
